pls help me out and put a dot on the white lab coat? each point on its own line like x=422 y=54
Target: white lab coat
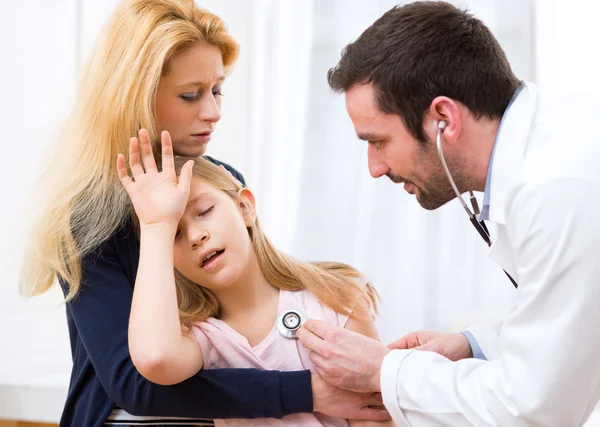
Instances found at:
x=543 y=365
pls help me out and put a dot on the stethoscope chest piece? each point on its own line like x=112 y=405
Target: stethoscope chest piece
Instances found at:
x=289 y=322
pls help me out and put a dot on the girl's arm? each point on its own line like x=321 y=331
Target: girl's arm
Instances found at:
x=159 y=349
x=365 y=325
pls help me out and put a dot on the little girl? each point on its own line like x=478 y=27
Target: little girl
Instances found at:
x=210 y=287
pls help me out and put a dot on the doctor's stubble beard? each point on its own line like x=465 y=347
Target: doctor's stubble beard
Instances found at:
x=434 y=189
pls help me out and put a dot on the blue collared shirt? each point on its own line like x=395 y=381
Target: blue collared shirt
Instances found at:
x=485 y=210
x=475 y=349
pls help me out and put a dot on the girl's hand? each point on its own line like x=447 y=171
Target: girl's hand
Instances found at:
x=157 y=196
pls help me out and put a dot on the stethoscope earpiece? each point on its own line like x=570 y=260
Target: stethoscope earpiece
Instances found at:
x=289 y=322
x=472 y=214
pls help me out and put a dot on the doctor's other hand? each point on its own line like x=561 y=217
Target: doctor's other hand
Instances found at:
x=344 y=358
x=335 y=402
x=452 y=346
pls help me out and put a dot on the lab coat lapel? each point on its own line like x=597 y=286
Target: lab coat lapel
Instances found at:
x=509 y=153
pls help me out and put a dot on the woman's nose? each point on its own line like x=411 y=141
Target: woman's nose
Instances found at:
x=210 y=109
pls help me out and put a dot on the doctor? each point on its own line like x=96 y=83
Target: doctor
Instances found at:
x=429 y=70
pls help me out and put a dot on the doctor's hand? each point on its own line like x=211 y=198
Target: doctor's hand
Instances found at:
x=344 y=358
x=451 y=346
x=336 y=402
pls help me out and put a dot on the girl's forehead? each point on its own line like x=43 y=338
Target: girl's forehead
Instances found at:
x=200 y=186
x=201 y=189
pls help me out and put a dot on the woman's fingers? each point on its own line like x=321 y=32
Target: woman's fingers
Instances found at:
x=167 y=151
x=134 y=157
x=122 y=171
x=146 y=148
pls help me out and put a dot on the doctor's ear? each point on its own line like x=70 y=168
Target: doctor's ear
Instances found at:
x=247 y=206
x=444 y=116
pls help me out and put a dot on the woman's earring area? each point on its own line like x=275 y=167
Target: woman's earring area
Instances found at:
x=289 y=322
x=377 y=145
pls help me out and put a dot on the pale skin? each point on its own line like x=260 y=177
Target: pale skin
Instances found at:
x=352 y=361
x=189 y=97
x=172 y=236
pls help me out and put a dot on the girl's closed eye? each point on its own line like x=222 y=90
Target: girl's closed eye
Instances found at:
x=207 y=211
x=200 y=214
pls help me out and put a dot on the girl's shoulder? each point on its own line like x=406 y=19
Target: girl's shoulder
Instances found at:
x=312 y=308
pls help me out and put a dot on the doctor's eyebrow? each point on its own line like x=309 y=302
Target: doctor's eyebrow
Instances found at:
x=369 y=136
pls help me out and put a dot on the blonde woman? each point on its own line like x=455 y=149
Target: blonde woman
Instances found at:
x=160 y=65
x=210 y=287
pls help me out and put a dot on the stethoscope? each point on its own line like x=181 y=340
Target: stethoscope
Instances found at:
x=289 y=322
x=473 y=215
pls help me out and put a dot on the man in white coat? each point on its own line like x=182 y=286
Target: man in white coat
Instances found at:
x=537 y=161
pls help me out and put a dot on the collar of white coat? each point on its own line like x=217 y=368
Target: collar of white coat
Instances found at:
x=510 y=148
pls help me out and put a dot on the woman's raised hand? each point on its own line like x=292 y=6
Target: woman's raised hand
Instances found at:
x=157 y=197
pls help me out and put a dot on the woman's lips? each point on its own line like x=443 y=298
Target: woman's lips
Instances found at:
x=202 y=137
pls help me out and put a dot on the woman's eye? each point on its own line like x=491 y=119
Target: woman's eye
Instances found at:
x=190 y=97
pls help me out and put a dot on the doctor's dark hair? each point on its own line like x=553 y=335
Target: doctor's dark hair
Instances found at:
x=334 y=284
x=422 y=50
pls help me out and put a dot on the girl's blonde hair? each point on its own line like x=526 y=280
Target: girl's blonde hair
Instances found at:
x=86 y=203
x=334 y=284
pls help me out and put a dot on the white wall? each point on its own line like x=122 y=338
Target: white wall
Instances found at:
x=38 y=68
x=37 y=41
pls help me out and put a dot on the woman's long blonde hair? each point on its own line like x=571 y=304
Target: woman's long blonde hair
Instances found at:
x=334 y=284
x=86 y=203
